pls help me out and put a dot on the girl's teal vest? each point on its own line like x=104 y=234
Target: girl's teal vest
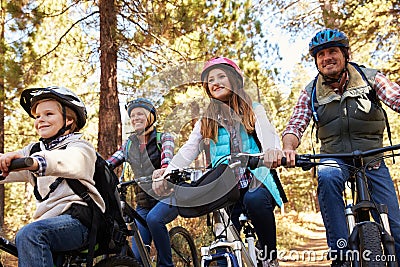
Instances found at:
x=249 y=145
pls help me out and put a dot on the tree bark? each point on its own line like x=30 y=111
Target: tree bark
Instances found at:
x=110 y=134
x=2 y=99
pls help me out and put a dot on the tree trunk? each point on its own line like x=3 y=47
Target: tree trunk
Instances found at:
x=109 y=136
x=2 y=98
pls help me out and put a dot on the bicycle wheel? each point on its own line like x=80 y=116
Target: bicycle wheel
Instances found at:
x=370 y=246
x=118 y=261
x=184 y=251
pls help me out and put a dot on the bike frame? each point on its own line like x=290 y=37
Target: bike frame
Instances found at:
x=8 y=247
x=244 y=256
x=134 y=230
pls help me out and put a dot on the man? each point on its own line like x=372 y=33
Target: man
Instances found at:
x=342 y=100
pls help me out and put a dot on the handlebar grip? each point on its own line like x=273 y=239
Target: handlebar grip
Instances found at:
x=254 y=162
x=300 y=161
x=19 y=164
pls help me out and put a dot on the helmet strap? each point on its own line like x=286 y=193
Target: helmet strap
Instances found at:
x=329 y=80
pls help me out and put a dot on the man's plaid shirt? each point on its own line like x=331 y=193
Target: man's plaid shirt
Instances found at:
x=388 y=92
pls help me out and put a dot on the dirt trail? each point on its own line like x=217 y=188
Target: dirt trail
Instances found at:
x=312 y=250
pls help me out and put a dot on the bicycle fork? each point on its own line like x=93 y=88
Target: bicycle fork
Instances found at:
x=361 y=212
x=234 y=244
x=233 y=260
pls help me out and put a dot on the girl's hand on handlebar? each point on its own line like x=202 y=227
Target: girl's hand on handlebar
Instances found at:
x=158 y=173
x=160 y=186
x=272 y=158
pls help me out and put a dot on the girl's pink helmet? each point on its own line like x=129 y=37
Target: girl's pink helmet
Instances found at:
x=214 y=62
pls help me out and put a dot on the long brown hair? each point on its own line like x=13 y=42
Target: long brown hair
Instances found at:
x=239 y=102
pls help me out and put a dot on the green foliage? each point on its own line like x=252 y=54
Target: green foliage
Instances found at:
x=38 y=58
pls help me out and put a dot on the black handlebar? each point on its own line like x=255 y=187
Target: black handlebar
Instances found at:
x=305 y=160
x=237 y=159
x=19 y=164
x=139 y=180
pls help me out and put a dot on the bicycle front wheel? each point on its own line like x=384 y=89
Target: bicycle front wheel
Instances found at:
x=184 y=253
x=371 y=251
x=118 y=261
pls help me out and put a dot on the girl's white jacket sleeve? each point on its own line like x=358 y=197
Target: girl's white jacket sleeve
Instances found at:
x=188 y=152
x=265 y=131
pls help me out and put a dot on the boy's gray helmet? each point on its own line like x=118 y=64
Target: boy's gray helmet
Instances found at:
x=63 y=95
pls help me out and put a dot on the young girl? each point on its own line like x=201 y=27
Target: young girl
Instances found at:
x=229 y=125
x=146 y=154
x=58 y=114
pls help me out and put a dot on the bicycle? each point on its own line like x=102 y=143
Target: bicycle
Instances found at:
x=228 y=245
x=366 y=238
x=75 y=258
x=184 y=252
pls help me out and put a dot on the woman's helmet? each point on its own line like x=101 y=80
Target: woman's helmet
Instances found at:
x=141 y=103
x=65 y=96
x=328 y=38
x=218 y=61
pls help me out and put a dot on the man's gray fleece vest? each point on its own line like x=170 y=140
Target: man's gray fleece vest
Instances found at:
x=351 y=121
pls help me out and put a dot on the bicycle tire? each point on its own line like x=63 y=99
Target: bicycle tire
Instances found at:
x=184 y=252
x=118 y=261
x=370 y=241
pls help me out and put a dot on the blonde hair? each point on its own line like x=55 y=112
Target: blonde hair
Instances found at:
x=69 y=113
x=239 y=102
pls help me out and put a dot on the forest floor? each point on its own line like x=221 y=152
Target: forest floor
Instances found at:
x=301 y=240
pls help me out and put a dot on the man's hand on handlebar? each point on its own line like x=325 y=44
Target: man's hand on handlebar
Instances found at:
x=272 y=158
x=290 y=158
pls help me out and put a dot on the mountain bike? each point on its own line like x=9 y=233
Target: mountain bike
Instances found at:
x=76 y=258
x=370 y=242
x=182 y=244
x=228 y=248
x=184 y=253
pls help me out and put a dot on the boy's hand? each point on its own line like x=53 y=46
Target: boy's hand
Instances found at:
x=5 y=161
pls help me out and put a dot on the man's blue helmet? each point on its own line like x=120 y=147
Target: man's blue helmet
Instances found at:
x=327 y=38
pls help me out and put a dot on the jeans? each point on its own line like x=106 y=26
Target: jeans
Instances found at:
x=157 y=218
x=36 y=241
x=331 y=184
x=259 y=205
